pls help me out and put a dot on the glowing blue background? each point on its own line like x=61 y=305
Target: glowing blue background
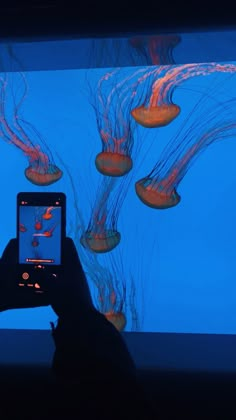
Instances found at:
x=183 y=259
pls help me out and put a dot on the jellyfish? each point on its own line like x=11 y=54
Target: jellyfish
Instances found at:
x=108 y=285
x=38 y=219
x=48 y=233
x=102 y=234
x=112 y=287
x=38 y=225
x=42 y=170
x=108 y=297
x=158 y=109
x=118 y=292
x=156 y=49
x=47 y=215
x=112 y=298
x=121 y=305
x=112 y=105
x=203 y=126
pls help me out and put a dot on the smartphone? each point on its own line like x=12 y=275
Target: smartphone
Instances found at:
x=41 y=231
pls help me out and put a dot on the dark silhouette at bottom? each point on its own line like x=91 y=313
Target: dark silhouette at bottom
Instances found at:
x=93 y=371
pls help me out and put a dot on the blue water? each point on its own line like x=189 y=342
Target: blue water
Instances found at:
x=178 y=265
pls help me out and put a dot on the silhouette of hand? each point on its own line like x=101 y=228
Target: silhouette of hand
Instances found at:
x=11 y=295
x=68 y=292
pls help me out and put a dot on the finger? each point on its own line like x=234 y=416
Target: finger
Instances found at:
x=71 y=261
x=70 y=252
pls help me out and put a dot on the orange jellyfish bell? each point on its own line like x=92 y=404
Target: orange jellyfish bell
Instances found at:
x=156 y=198
x=38 y=225
x=45 y=178
x=113 y=164
x=155 y=116
x=100 y=243
x=47 y=216
x=118 y=319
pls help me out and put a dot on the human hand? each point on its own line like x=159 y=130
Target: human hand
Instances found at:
x=68 y=292
x=12 y=296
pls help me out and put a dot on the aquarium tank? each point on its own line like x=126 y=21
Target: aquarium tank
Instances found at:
x=139 y=132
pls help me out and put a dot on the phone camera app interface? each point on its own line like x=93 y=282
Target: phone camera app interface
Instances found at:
x=39 y=234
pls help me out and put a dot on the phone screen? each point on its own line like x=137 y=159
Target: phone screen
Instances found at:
x=40 y=232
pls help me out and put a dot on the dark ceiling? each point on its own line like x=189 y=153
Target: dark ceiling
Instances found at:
x=25 y=18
